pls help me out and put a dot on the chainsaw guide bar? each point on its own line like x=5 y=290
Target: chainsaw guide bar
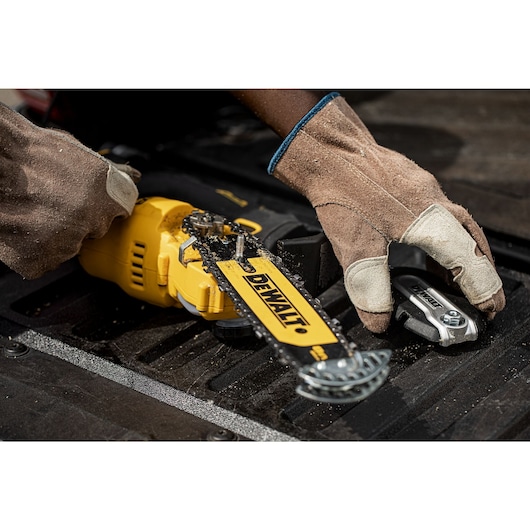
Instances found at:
x=283 y=313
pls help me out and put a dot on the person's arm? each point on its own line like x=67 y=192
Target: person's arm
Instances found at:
x=367 y=196
x=54 y=193
x=281 y=110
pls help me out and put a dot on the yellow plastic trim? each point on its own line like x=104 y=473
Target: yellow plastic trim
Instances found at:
x=278 y=304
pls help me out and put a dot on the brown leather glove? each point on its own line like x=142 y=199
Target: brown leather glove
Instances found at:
x=367 y=196
x=54 y=193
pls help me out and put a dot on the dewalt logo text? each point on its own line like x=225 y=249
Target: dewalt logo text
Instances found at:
x=424 y=295
x=273 y=298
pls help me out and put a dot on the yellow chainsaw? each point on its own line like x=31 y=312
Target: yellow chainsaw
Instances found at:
x=169 y=253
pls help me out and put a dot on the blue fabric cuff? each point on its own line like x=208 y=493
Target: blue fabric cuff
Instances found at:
x=291 y=136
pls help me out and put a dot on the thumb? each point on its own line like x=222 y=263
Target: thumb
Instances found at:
x=367 y=282
x=363 y=254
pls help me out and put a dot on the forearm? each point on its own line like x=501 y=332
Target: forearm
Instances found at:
x=281 y=110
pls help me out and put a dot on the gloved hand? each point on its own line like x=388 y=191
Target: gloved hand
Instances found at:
x=54 y=193
x=367 y=196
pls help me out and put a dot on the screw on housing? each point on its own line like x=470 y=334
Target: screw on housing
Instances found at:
x=453 y=318
x=15 y=349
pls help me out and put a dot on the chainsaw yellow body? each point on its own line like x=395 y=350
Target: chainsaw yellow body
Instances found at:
x=143 y=255
x=149 y=256
x=161 y=254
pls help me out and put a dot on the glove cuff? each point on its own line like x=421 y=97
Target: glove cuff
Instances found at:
x=292 y=135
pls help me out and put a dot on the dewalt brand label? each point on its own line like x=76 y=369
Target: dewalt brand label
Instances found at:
x=279 y=305
x=422 y=293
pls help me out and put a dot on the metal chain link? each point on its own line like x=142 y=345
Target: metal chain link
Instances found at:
x=347 y=379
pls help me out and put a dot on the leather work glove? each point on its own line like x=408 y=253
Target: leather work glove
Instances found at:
x=54 y=193
x=367 y=196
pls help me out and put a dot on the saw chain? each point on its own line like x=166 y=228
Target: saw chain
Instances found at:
x=283 y=313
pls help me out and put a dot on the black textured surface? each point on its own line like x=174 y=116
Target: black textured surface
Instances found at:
x=476 y=391
x=45 y=398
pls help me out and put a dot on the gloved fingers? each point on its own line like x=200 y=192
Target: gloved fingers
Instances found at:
x=465 y=219
x=460 y=247
x=492 y=305
x=55 y=193
x=121 y=179
x=362 y=252
x=367 y=283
